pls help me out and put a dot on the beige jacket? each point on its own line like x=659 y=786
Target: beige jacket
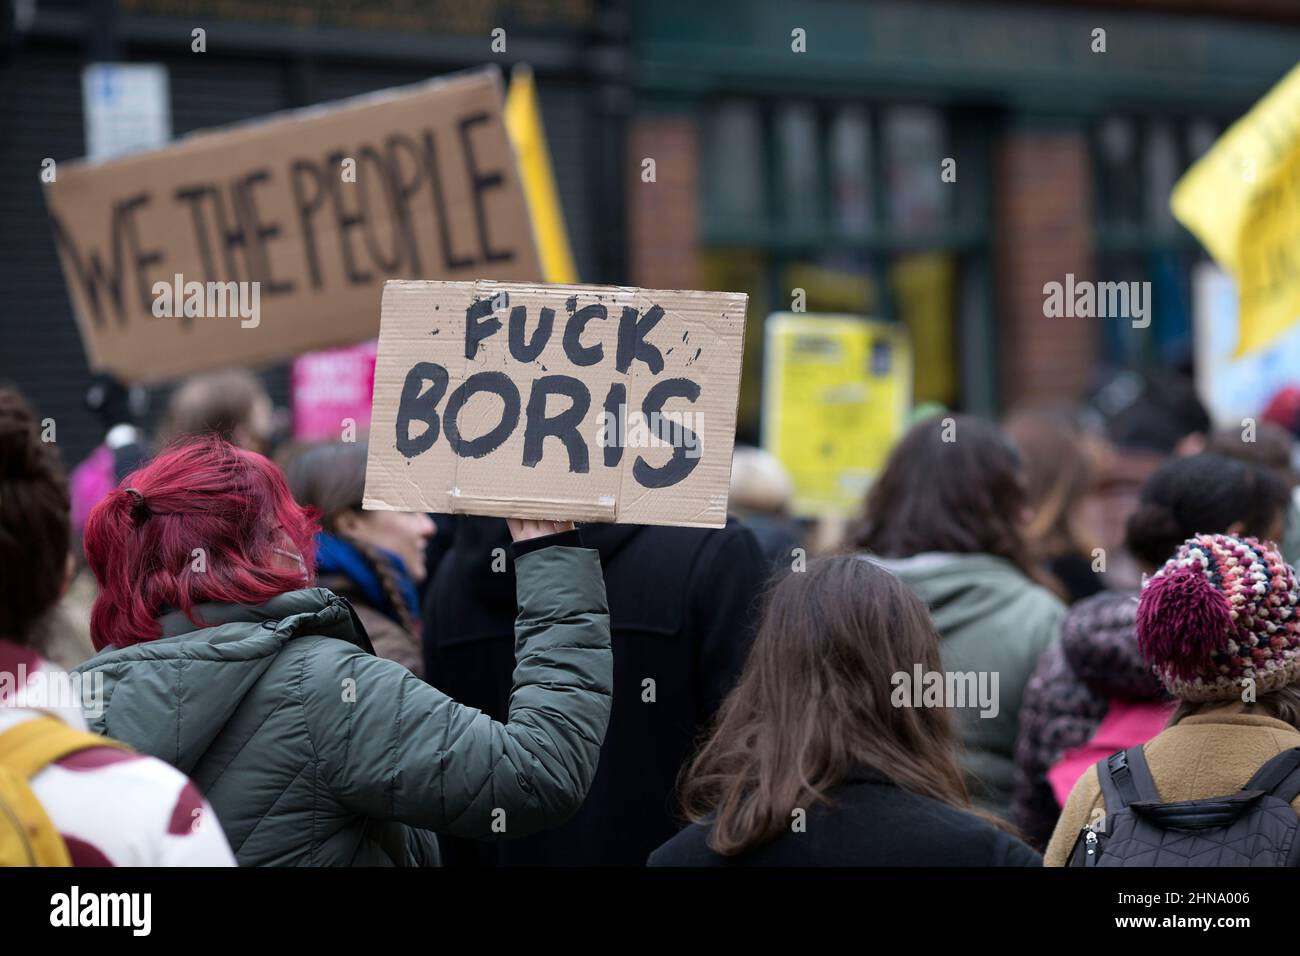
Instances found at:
x=1209 y=755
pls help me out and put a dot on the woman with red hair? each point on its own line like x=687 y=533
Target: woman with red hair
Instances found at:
x=220 y=657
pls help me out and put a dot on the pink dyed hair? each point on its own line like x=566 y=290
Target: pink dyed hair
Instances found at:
x=201 y=493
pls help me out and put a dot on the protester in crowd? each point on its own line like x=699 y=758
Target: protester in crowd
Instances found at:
x=818 y=757
x=159 y=817
x=1093 y=691
x=66 y=641
x=1219 y=625
x=761 y=491
x=946 y=515
x=375 y=559
x=681 y=601
x=230 y=404
x=221 y=658
x=121 y=411
x=1058 y=474
x=1271 y=446
x=1146 y=419
x=1159 y=413
x=1283 y=409
x=1261 y=443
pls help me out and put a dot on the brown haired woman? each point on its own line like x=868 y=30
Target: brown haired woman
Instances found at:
x=947 y=515
x=375 y=559
x=1059 y=469
x=817 y=758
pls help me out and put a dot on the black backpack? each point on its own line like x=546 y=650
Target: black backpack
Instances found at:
x=1253 y=827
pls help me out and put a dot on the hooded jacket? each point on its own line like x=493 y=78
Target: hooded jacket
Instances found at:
x=1096 y=661
x=682 y=604
x=992 y=620
x=315 y=752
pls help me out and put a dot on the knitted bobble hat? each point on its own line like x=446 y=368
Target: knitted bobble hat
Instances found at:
x=1222 y=611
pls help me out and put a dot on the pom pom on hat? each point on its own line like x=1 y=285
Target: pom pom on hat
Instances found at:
x=1222 y=612
x=1183 y=619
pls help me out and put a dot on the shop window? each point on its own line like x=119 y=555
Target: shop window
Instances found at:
x=914 y=151
x=800 y=194
x=851 y=172
x=1137 y=161
x=734 y=171
x=845 y=203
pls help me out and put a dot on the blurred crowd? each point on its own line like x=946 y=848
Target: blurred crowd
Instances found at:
x=281 y=677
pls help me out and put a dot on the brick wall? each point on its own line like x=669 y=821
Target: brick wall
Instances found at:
x=1042 y=209
x=663 y=216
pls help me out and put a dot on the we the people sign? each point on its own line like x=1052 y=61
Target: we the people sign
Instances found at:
x=271 y=238
x=588 y=403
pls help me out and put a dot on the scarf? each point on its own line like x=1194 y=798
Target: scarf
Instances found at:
x=337 y=556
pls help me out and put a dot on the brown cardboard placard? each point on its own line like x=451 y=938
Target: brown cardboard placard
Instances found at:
x=578 y=402
x=434 y=191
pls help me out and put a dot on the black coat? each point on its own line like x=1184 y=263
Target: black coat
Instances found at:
x=682 y=603
x=871 y=823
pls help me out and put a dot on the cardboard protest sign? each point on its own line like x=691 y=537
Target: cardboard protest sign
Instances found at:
x=579 y=402
x=274 y=237
x=837 y=390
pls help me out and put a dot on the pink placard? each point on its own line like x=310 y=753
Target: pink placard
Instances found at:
x=329 y=388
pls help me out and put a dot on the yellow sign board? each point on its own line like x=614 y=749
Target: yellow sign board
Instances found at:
x=836 y=393
x=1242 y=200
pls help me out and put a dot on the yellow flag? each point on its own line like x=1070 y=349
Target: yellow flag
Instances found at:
x=523 y=117
x=1242 y=200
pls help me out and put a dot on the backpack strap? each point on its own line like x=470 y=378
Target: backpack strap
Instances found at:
x=1279 y=777
x=35 y=744
x=1125 y=778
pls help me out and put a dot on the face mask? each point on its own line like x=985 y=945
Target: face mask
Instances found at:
x=302 y=565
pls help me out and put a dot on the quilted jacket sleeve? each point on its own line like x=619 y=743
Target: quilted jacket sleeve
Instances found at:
x=402 y=750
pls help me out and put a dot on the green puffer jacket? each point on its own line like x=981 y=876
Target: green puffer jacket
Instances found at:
x=993 y=621
x=314 y=752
